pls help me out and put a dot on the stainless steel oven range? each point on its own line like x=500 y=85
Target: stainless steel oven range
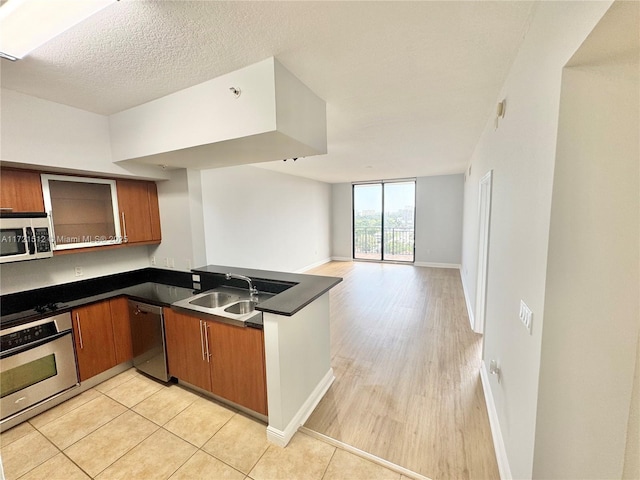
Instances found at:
x=37 y=363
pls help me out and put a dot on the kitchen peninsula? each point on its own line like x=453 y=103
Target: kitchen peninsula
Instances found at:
x=295 y=323
x=296 y=340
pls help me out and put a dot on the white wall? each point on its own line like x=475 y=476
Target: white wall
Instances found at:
x=439 y=202
x=341 y=221
x=40 y=133
x=261 y=219
x=203 y=114
x=592 y=310
x=19 y=276
x=49 y=136
x=181 y=218
x=521 y=153
x=298 y=366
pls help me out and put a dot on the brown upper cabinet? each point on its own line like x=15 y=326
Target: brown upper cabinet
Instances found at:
x=21 y=191
x=86 y=212
x=83 y=211
x=139 y=214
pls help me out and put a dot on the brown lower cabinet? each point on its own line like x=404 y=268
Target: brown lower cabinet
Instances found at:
x=186 y=349
x=121 y=329
x=223 y=359
x=93 y=333
x=102 y=336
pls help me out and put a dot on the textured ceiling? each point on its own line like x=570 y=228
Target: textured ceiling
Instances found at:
x=409 y=86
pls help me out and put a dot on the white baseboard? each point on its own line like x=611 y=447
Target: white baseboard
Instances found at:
x=342 y=259
x=283 y=437
x=496 y=433
x=437 y=265
x=313 y=265
x=467 y=299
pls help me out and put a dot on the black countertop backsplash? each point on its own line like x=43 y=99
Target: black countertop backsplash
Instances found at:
x=151 y=285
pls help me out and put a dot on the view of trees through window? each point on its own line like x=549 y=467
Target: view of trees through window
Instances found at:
x=383 y=221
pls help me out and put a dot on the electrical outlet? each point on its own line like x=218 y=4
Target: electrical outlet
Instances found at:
x=153 y=260
x=526 y=316
x=166 y=262
x=172 y=263
x=494 y=369
x=78 y=271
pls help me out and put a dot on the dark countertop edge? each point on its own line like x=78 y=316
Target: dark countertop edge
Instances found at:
x=304 y=288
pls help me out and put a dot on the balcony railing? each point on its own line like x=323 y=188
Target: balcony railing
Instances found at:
x=398 y=243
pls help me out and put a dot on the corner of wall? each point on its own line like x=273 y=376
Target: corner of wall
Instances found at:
x=467 y=299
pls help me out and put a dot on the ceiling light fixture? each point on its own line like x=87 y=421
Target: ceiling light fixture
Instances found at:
x=27 y=24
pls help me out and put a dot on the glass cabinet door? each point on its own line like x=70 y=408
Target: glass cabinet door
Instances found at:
x=83 y=211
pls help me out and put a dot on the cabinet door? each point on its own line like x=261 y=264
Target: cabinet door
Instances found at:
x=154 y=210
x=135 y=211
x=21 y=190
x=84 y=211
x=121 y=329
x=186 y=349
x=237 y=365
x=93 y=333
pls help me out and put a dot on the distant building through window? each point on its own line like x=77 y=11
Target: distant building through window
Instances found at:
x=383 y=221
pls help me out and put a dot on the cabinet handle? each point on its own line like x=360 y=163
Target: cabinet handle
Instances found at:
x=201 y=341
x=52 y=237
x=124 y=228
x=79 y=331
x=206 y=339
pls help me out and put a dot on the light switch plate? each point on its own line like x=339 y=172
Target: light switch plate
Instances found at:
x=526 y=316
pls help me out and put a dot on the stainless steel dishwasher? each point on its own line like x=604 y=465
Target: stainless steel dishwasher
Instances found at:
x=148 y=339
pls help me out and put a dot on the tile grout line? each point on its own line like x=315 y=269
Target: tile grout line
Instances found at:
x=67 y=456
x=328 y=463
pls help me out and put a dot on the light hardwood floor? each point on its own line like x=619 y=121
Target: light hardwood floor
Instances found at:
x=407 y=364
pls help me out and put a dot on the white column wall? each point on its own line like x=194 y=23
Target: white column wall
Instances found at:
x=592 y=308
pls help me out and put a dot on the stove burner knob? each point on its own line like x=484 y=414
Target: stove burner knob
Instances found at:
x=52 y=306
x=40 y=308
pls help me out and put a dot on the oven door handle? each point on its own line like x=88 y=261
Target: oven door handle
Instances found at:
x=24 y=348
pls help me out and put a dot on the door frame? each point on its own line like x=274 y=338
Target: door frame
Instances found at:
x=484 y=224
x=382 y=184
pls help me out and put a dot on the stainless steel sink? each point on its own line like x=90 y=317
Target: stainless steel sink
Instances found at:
x=235 y=306
x=242 y=307
x=212 y=300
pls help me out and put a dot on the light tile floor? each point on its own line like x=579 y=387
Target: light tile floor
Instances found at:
x=132 y=427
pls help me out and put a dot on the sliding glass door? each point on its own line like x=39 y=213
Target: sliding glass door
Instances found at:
x=383 y=221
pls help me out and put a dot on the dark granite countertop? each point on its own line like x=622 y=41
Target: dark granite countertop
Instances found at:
x=164 y=287
x=149 y=285
x=294 y=290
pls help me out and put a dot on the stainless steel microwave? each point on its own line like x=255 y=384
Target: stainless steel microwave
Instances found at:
x=24 y=236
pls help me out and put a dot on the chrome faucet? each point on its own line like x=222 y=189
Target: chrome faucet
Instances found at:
x=252 y=290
